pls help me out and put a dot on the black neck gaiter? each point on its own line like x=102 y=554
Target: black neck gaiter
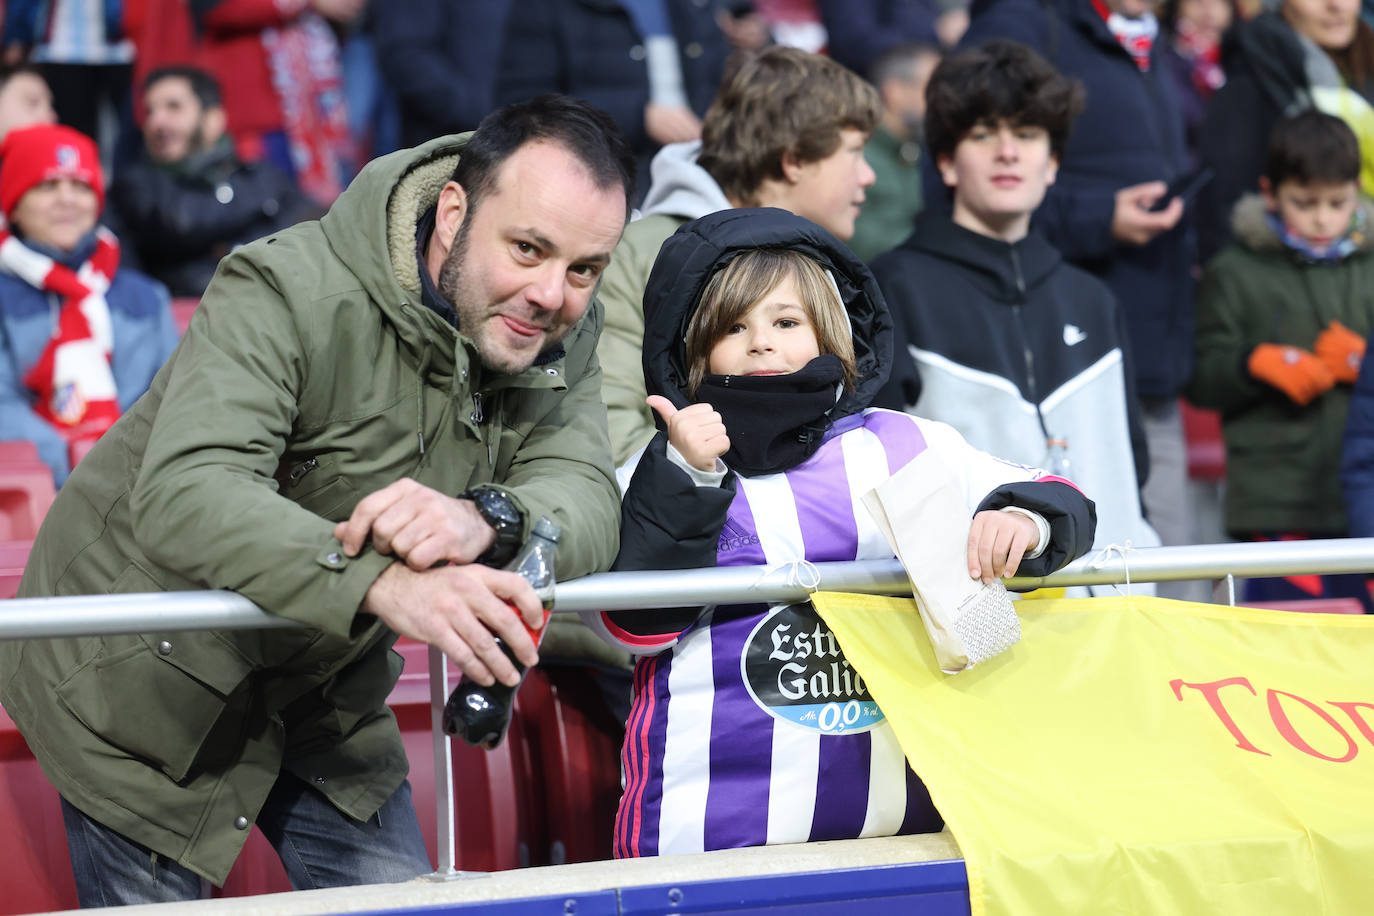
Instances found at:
x=775 y=422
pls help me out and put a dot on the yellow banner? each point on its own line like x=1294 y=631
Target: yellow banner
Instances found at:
x=1138 y=755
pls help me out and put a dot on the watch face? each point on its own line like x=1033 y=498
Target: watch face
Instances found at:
x=504 y=509
x=500 y=511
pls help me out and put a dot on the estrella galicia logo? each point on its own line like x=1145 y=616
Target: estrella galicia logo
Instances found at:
x=793 y=668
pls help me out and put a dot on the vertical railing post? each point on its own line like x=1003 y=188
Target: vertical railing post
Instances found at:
x=446 y=849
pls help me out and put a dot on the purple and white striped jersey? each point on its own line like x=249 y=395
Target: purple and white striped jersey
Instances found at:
x=750 y=727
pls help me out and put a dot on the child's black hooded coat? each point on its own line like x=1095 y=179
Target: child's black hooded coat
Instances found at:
x=667 y=521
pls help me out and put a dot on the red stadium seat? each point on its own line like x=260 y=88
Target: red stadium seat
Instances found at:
x=1206 y=448
x=497 y=814
x=13 y=556
x=183 y=307
x=578 y=747
x=19 y=452
x=33 y=845
x=26 y=490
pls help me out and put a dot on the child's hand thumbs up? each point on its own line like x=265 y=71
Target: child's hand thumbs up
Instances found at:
x=696 y=431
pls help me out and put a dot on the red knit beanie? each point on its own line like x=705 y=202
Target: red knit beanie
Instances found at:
x=31 y=155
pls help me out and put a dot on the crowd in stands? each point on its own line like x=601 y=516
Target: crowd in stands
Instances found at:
x=1068 y=219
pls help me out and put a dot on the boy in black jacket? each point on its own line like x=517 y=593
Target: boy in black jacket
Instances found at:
x=1022 y=353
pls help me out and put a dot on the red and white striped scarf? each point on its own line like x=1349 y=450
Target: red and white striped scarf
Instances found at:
x=1137 y=36
x=303 y=58
x=72 y=380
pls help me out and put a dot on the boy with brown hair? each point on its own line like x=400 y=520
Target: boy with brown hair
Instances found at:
x=1020 y=351
x=788 y=131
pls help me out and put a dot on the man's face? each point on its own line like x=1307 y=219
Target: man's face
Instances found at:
x=830 y=191
x=1318 y=212
x=25 y=101
x=999 y=174
x=175 y=126
x=523 y=265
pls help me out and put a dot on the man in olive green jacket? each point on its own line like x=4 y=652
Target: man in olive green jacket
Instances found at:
x=319 y=443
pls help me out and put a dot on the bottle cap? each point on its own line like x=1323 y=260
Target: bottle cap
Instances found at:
x=547 y=528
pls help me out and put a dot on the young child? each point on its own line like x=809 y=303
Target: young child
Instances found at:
x=1283 y=314
x=765 y=339
x=993 y=315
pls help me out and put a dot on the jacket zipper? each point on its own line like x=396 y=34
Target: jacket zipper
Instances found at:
x=305 y=467
x=1026 y=353
x=479 y=415
x=1021 y=301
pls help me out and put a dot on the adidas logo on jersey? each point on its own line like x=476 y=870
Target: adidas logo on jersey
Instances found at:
x=1073 y=334
x=733 y=537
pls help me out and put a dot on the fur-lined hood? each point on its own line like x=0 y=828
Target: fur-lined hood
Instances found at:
x=371 y=228
x=1249 y=222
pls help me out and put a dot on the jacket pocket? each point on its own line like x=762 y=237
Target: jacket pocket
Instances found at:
x=156 y=696
x=315 y=484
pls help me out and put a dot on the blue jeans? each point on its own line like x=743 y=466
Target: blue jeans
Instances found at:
x=319 y=845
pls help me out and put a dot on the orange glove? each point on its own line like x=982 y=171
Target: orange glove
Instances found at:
x=1292 y=370
x=1342 y=350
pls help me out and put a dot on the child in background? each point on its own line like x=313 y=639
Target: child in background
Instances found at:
x=1282 y=318
x=765 y=340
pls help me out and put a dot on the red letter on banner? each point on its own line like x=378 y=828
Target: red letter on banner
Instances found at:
x=1360 y=721
x=1290 y=735
x=1211 y=690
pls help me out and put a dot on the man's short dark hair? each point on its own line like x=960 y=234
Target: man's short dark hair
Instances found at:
x=203 y=85
x=998 y=81
x=587 y=132
x=1312 y=147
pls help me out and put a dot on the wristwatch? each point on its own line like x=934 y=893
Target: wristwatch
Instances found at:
x=500 y=512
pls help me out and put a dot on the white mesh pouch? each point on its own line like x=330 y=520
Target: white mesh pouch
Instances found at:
x=923 y=513
x=987 y=623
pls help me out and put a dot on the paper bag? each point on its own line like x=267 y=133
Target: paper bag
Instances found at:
x=922 y=512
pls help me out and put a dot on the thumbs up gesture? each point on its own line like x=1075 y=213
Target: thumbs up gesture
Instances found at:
x=696 y=431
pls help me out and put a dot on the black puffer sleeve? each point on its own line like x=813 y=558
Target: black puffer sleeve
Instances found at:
x=1071 y=515
x=667 y=522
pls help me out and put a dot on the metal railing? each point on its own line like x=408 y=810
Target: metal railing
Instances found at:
x=34 y=618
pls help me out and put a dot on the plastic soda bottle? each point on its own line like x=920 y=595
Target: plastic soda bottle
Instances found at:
x=480 y=715
x=1057 y=458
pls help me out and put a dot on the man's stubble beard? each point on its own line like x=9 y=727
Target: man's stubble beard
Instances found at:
x=472 y=315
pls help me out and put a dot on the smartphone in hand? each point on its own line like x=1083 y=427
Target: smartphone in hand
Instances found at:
x=1185 y=187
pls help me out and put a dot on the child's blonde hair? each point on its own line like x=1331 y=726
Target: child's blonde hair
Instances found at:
x=734 y=290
